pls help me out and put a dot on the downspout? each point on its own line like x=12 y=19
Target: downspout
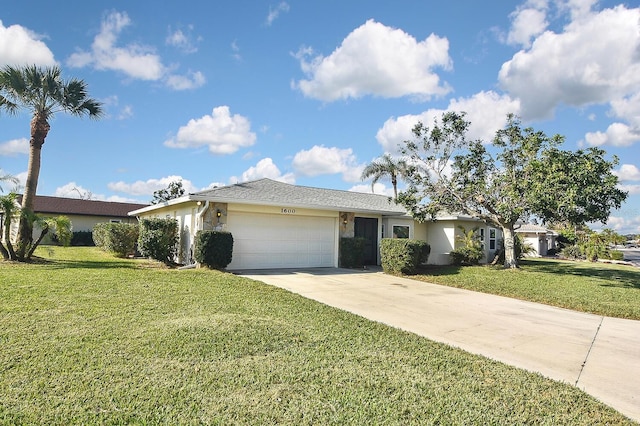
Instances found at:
x=200 y=214
x=199 y=225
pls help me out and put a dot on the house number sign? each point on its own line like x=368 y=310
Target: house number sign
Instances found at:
x=286 y=210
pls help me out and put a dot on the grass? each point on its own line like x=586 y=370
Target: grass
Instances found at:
x=599 y=288
x=89 y=339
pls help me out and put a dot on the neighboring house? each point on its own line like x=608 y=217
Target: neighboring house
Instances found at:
x=540 y=238
x=84 y=214
x=278 y=225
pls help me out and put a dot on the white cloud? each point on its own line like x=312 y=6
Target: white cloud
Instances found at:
x=182 y=40
x=221 y=132
x=20 y=46
x=125 y=113
x=149 y=186
x=617 y=134
x=594 y=60
x=527 y=22
x=623 y=225
x=631 y=189
x=265 y=168
x=73 y=190
x=192 y=80
x=377 y=60
x=134 y=60
x=628 y=172
x=274 y=12
x=321 y=160
x=628 y=109
x=487 y=112
x=378 y=188
x=14 y=147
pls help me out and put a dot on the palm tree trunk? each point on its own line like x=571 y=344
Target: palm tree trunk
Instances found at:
x=7 y=238
x=394 y=183
x=39 y=130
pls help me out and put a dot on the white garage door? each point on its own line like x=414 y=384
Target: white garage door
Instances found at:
x=263 y=241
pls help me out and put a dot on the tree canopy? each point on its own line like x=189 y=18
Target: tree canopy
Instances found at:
x=524 y=174
x=173 y=190
x=385 y=166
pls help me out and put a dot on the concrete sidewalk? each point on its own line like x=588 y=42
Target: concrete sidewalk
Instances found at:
x=599 y=355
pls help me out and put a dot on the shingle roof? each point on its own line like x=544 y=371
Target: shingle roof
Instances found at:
x=271 y=192
x=75 y=206
x=531 y=228
x=268 y=192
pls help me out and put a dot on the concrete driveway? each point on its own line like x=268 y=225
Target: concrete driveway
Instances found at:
x=599 y=355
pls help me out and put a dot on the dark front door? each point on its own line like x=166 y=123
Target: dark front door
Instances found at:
x=367 y=228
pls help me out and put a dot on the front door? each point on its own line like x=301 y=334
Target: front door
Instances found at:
x=367 y=228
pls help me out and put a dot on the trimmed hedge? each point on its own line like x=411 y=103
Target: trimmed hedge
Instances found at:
x=117 y=238
x=159 y=239
x=467 y=256
x=352 y=252
x=214 y=249
x=401 y=255
x=616 y=255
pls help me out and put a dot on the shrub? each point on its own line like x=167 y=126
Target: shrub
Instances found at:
x=352 y=252
x=117 y=238
x=159 y=239
x=466 y=255
x=401 y=255
x=572 y=252
x=214 y=249
x=616 y=255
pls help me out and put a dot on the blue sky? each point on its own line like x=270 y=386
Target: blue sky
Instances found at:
x=308 y=92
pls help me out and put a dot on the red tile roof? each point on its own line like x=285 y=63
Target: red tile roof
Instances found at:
x=75 y=206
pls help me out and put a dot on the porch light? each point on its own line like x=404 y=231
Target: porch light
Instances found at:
x=218 y=214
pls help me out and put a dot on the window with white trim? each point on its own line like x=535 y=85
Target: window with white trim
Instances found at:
x=400 y=231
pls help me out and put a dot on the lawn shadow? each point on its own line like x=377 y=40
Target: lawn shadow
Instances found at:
x=115 y=263
x=623 y=277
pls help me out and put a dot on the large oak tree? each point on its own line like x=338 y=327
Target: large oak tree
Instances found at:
x=523 y=173
x=43 y=92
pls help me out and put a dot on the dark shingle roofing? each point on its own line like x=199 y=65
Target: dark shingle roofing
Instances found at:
x=75 y=206
x=274 y=193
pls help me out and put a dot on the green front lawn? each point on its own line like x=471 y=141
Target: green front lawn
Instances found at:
x=599 y=288
x=89 y=339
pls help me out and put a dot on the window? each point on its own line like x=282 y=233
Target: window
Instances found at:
x=492 y=239
x=115 y=221
x=400 y=231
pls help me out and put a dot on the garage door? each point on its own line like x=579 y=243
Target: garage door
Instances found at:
x=263 y=241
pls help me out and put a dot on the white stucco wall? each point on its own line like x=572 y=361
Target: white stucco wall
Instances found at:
x=441 y=238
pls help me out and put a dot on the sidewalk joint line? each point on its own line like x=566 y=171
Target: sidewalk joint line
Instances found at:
x=593 y=342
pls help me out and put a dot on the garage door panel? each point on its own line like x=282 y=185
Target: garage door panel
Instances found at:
x=275 y=241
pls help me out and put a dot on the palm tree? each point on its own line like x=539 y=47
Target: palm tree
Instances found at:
x=7 y=178
x=385 y=166
x=44 y=93
x=8 y=209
